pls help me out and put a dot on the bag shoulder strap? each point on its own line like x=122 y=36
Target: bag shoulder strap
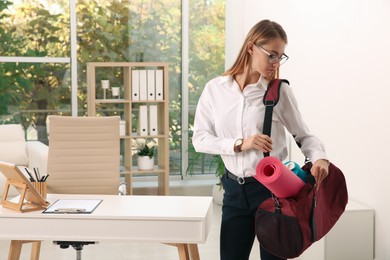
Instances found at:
x=271 y=99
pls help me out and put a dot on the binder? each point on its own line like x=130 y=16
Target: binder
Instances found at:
x=151 y=84
x=143 y=87
x=122 y=127
x=159 y=84
x=134 y=84
x=153 y=127
x=143 y=120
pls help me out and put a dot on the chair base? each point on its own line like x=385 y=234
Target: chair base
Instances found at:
x=77 y=245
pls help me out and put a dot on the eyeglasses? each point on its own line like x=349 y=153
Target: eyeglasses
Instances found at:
x=272 y=58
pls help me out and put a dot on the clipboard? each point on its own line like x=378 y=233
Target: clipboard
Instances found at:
x=29 y=200
x=73 y=206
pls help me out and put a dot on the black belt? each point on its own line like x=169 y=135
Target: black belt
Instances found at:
x=240 y=180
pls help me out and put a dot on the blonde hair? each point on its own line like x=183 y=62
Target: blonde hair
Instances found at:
x=261 y=33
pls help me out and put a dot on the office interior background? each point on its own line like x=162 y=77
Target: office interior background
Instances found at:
x=337 y=68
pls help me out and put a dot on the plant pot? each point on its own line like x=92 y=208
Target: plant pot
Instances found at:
x=115 y=92
x=217 y=193
x=145 y=163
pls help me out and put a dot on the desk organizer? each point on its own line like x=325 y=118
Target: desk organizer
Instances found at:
x=41 y=187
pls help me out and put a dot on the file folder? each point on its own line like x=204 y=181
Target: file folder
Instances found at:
x=135 y=85
x=143 y=120
x=143 y=87
x=151 y=84
x=153 y=128
x=159 y=85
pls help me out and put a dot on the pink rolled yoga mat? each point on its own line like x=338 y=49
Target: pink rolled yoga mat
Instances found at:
x=274 y=175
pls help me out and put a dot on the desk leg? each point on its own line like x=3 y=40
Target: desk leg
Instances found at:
x=35 y=250
x=187 y=251
x=183 y=251
x=194 y=252
x=15 y=249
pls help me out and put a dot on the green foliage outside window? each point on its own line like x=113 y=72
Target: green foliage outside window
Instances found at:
x=107 y=30
x=30 y=30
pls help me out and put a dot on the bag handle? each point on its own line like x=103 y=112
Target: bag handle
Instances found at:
x=271 y=99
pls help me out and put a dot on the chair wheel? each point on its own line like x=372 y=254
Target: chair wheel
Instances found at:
x=64 y=246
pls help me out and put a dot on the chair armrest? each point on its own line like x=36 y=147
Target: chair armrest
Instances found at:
x=37 y=155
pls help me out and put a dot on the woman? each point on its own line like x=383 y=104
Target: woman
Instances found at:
x=229 y=121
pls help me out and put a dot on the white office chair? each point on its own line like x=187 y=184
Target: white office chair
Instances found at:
x=83 y=159
x=83 y=155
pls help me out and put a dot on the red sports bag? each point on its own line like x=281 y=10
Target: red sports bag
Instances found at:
x=288 y=226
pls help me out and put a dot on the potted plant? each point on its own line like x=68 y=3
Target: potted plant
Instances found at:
x=216 y=161
x=145 y=158
x=219 y=172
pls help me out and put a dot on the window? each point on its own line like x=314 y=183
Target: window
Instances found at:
x=206 y=61
x=36 y=46
x=30 y=90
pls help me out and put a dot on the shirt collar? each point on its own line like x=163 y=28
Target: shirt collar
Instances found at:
x=261 y=83
x=229 y=81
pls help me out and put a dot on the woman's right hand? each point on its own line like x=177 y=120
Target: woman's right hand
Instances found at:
x=259 y=142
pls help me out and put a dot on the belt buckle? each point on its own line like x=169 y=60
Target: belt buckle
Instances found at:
x=241 y=180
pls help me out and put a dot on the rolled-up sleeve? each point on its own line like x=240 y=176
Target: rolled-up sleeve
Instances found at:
x=288 y=112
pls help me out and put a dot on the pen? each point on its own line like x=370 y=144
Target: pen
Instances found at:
x=39 y=174
x=29 y=174
x=36 y=174
x=44 y=177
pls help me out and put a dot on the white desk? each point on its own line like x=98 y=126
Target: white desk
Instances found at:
x=178 y=220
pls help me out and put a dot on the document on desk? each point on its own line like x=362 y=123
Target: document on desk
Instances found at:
x=73 y=206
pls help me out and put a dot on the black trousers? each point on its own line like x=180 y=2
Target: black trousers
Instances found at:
x=240 y=203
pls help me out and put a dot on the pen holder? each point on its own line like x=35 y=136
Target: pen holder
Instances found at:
x=41 y=187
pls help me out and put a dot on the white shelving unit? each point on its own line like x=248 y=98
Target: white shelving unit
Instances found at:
x=127 y=106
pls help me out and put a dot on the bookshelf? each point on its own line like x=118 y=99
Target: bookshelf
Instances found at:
x=141 y=84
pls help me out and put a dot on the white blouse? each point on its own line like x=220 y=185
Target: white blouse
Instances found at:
x=225 y=114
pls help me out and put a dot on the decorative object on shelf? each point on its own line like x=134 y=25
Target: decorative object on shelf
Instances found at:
x=105 y=85
x=145 y=157
x=115 y=92
x=122 y=189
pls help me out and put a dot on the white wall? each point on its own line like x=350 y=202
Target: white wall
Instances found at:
x=339 y=69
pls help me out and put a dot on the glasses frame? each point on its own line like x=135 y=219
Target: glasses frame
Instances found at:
x=273 y=58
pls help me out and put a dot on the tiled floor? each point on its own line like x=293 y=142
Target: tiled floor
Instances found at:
x=122 y=250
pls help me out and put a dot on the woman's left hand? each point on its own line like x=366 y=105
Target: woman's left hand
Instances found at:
x=320 y=170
